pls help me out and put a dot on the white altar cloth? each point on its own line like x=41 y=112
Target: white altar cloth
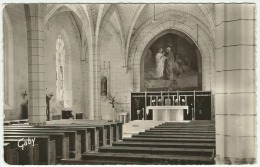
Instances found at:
x=167 y=113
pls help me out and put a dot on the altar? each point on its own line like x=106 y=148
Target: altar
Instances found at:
x=167 y=113
x=171 y=105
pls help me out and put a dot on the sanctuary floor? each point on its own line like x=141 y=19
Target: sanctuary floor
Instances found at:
x=136 y=126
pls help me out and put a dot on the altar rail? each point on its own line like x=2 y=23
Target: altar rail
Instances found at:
x=198 y=102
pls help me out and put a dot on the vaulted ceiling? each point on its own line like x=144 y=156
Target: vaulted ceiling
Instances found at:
x=126 y=20
x=129 y=17
x=132 y=16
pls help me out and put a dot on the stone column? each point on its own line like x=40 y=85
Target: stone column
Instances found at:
x=97 y=83
x=91 y=85
x=36 y=73
x=235 y=96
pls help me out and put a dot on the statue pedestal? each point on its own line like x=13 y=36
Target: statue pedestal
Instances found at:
x=112 y=114
x=123 y=117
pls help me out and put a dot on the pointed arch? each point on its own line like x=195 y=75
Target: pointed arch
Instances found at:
x=128 y=39
x=205 y=46
x=99 y=18
x=82 y=13
x=185 y=37
x=113 y=11
x=8 y=62
x=210 y=19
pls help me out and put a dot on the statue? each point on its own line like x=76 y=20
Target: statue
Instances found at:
x=24 y=106
x=48 y=98
x=103 y=86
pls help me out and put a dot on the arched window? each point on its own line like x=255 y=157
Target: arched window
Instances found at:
x=60 y=65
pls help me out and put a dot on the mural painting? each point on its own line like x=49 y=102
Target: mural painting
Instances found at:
x=172 y=63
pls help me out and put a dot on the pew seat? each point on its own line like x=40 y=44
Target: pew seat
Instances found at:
x=47 y=150
x=11 y=155
x=61 y=141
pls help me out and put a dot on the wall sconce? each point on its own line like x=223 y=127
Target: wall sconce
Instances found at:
x=24 y=94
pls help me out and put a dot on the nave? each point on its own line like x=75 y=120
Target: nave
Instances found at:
x=82 y=82
x=90 y=142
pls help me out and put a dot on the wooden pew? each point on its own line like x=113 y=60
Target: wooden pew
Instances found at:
x=100 y=133
x=65 y=129
x=117 y=128
x=6 y=123
x=47 y=151
x=11 y=155
x=89 y=135
x=85 y=134
x=61 y=142
x=103 y=131
x=29 y=155
x=65 y=139
x=19 y=121
x=118 y=134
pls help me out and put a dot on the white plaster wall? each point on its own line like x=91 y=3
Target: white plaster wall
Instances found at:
x=235 y=100
x=121 y=84
x=61 y=24
x=20 y=59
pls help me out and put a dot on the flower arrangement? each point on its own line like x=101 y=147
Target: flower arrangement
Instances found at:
x=112 y=101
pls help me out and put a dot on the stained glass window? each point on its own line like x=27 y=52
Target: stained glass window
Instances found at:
x=60 y=63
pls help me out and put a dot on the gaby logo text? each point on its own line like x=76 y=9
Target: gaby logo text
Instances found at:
x=24 y=142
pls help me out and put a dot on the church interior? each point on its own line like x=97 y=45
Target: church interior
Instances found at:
x=129 y=84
